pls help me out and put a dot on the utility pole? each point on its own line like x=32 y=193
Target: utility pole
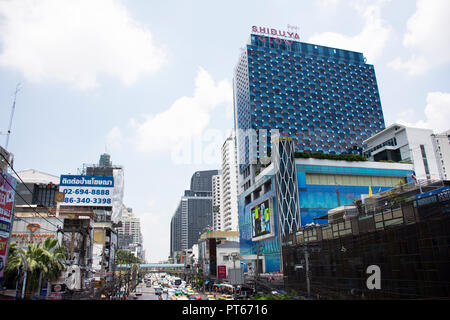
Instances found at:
x=308 y=288
x=72 y=245
x=12 y=114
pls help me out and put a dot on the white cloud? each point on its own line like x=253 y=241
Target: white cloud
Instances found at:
x=415 y=65
x=371 y=40
x=424 y=36
x=437 y=113
x=75 y=42
x=326 y=3
x=114 y=138
x=186 y=118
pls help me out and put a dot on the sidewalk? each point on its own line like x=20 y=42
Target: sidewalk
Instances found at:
x=9 y=294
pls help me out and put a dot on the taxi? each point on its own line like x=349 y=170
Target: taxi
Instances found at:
x=190 y=292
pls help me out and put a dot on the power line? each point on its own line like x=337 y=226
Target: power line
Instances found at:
x=23 y=219
x=47 y=209
x=30 y=204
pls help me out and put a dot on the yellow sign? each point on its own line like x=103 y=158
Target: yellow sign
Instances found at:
x=59 y=196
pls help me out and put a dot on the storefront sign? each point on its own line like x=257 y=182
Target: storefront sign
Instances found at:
x=27 y=238
x=33 y=227
x=7 y=187
x=221 y=272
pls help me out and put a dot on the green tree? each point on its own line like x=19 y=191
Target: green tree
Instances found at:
x=126 y=257
x=36 y=261
x=53 y=259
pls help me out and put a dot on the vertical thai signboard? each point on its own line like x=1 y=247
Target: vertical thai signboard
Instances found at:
x=117 y=195
x=7 y=187
x=221 y=272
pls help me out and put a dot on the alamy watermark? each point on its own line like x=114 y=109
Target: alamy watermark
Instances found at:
x=374 y=280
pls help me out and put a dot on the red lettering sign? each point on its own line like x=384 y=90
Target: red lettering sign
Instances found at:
x=275 y=32
x=221 y=272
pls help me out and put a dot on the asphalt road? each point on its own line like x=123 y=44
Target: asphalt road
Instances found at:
x=149 y=294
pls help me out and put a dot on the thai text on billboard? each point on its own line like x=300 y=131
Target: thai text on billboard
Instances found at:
x=83 y=190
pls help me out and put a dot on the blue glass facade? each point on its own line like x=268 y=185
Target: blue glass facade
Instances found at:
x=325 y=98
x=270 y=247
x=315 y=200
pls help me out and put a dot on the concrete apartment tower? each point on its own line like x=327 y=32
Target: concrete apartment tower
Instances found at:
x=441 y=144
x=217 y=202
x=229 y=185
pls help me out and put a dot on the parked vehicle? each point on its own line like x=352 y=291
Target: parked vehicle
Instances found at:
x=138 y=291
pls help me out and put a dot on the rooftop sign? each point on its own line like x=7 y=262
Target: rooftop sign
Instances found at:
x=275 y=32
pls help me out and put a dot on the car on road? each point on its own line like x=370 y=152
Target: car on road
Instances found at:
x=190 y=292
x=225 y=297
x=138 y=291
x=210 y=297
x=197 y=296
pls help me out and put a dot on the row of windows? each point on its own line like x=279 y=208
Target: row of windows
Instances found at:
x=351 y=170
x=390 y=142
x=306 y=48
x=353 y=180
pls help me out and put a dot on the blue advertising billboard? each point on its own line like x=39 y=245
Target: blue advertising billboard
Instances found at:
x=81 y=190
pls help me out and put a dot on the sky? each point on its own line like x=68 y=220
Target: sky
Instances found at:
x=150 y=82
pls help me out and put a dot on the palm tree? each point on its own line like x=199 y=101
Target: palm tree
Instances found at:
x=52 y=260
x=37 y=260
x=27 y=260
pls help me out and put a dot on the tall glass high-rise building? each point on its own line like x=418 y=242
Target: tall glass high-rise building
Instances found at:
x=193 y=214
x=325 y=98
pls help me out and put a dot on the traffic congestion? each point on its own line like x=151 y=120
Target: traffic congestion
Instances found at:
x=162 y=286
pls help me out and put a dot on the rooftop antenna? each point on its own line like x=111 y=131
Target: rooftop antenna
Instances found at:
x=12 y=114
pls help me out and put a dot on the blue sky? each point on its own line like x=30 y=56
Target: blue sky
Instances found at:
x=142 y=78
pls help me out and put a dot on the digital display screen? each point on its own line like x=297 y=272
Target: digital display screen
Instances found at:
x=261 y=219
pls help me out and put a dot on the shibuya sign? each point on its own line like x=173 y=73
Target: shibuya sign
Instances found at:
x=277 y=33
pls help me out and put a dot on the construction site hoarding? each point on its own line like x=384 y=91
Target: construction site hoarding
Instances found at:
x=117 y=197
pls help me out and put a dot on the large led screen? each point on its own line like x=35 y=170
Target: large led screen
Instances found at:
x=261 y=219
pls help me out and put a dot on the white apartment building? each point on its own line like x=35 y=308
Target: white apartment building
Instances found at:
x=131 y=226
x=441 y=144
x=229 y=185
x=217 y=202
x=399 y=143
